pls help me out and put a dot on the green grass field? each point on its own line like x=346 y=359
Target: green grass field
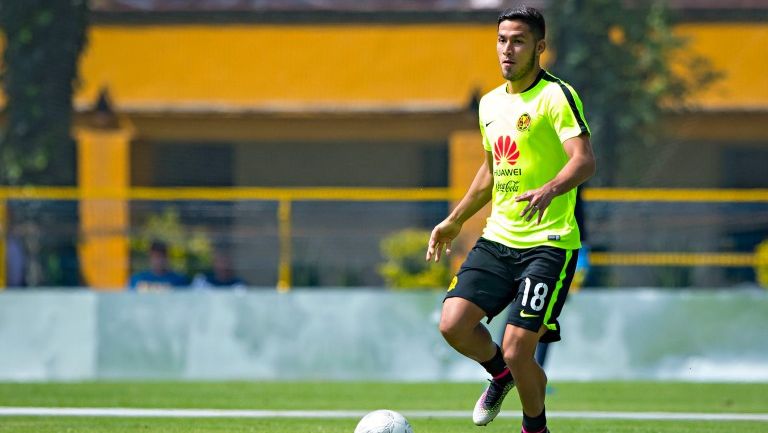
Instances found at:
x=598 y=396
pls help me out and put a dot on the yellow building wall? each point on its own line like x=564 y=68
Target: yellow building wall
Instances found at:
x=283 y=66
x=739 y=51
x=280 y=66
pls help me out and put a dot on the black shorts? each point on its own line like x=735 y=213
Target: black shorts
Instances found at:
x=534 y=281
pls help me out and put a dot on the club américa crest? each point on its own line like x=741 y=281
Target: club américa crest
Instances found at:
x=524 y=122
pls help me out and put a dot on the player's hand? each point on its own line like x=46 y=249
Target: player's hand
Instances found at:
x=538 y=201
x=441 y=238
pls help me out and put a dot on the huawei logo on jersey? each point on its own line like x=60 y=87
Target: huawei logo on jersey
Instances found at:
x=505 y=150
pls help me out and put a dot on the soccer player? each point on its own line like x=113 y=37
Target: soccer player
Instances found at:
x=537 y=152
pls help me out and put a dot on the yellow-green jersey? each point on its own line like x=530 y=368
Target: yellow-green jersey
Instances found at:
x=526 y=131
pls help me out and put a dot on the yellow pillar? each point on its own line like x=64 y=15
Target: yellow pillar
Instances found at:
x=466 y=154
x=103 y=178
x=284 y=275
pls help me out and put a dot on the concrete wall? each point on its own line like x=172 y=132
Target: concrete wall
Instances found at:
x=366 y=334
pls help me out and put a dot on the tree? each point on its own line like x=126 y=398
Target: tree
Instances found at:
x=44 y=39
x=405 y=267
x=629 y=69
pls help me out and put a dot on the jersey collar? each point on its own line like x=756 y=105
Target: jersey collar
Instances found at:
x=541 y=74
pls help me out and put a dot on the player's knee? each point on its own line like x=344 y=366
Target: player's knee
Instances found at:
x=448 y=329
x=512 y=357
x=452 y=330
x=516 y=355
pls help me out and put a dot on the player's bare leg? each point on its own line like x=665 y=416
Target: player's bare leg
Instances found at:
x=519 y=347
x=461 y=328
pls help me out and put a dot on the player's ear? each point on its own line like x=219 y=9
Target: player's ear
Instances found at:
x=541 y=45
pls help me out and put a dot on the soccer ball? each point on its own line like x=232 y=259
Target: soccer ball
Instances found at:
x=383 y=421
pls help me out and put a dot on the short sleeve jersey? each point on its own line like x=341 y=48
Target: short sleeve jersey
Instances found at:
x=525 y=132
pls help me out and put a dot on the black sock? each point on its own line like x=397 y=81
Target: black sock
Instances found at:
x=536 y=424
x=497 y=368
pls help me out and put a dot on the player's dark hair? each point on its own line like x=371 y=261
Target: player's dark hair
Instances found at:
x=528 y=15
x=158 y=247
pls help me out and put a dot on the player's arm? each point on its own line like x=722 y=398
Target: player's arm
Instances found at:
x=580 y=167
x=478 y=194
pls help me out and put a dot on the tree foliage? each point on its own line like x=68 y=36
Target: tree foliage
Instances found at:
x=405 y=267
x=761 y=263
x=43 y=41
x=190 y=250
x=629 y=69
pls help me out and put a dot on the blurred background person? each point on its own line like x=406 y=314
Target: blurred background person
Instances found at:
x=15 y=261
x=222 y=274
x=15 y=253
x=159 y=276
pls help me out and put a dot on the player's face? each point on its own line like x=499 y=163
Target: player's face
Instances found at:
x=158 y=262
x=518 y=50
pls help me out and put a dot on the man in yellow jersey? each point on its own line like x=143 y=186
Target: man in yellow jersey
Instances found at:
x=537 y=152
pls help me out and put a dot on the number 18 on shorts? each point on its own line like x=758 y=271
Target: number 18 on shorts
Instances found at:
x=532 y=282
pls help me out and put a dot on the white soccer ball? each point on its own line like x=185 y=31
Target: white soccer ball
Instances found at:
x=383 y=421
